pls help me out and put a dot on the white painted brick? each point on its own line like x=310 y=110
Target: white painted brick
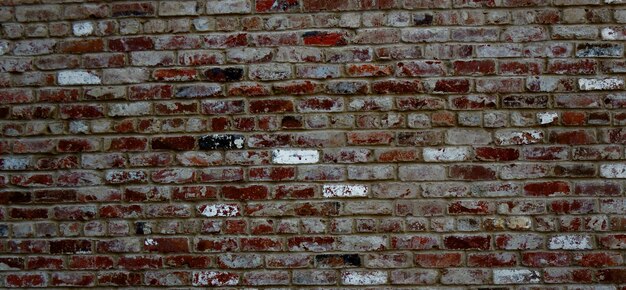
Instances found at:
x=421 y=172
x=79 y=127
x=150 y=242
x=519 y=222
x=600 y=84
x=269 y=72
x=609 y=34
x=14 y=163
x=613 y=170
x=364 y=278
x=82 y=28
x=295 y=156
x=547 y=117
x=130 y=109
x=203 y=23
x=219 y=210
x=177 y=8
x=228 y=6
x=446 y=154
x=570 y=242
x=4 y=47
x=515 y=276
x=344 y=190
x=212 y=278
x=507 y=137
x=77 y=78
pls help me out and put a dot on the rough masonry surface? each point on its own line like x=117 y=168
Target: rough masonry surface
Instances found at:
x=313 y=144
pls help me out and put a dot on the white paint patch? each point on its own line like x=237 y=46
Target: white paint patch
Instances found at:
x=82 y=28
x=519 y=137
x=517 y=276
x=227 y=6
x=4 y=47
x=14 y=163
x=446 y=154
x=238 y=143
x=77 y=127
x=600 y=84
x=129 y=109
x=7 y=267
x=219 y=210
x=518 y=222
x=176 y=175
x=608 y=34
x=547 y=117
x=150 y=242
x=212 y=278
x=287 y=156
x=203 y=24
x=613 y=170
x=78 y=78
x=344 y=190
x=570 y=242
x=364 y=278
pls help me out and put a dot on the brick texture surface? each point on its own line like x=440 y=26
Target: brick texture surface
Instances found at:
x=316 y=144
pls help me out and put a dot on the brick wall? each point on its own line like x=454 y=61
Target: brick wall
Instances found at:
x=313 y=143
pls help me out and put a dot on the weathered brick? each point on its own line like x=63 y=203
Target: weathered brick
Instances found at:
x=373 y=144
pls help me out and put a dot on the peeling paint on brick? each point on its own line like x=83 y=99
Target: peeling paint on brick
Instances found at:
x=219 y=210
x=344 y=190
x=78 y=78
x=295 y=156
x=364 y=277
x=570 y=242
x=218 y=141
x=447 y=154
x=82 y=28
x=600 y=84
x=516 y=276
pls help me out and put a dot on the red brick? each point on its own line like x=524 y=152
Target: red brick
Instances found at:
x=77 y=145
x=397 y=87
x=44 y=263
x=467 y=242
x=82 y=111
x=492 y=260
x=90 y=262
x=26 y=280
x=174 y=74
x=546 y=259
x=59 y=95
x=82 y=46
x=73 y=279
x=131 y=44
x=474 y=67
x=126 y=144
x=496 y=154
x=167 y=245
x=253 y=192
x=271 y=106
x=137 y=9
x=322 y=38
x=180 y=143
x=446 y=260
x=547 y=188
x=276 y=6
x=472 y=172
